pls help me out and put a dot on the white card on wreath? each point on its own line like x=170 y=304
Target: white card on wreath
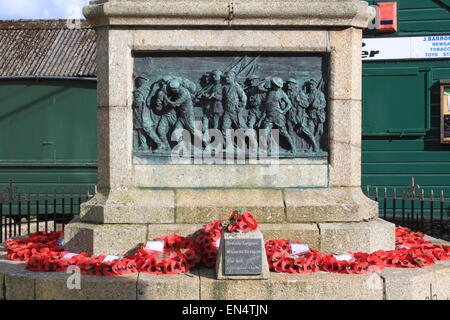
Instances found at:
x=343 y=257
x=157 y=245
x=299 y=248
x=70 y=255
x=110 y=258
x=217 y=244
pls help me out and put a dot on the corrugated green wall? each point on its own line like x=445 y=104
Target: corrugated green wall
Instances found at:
x=48 y=134
x=391 y=160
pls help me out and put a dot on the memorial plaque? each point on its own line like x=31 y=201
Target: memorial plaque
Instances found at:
x=242 y=256
x=212 y=97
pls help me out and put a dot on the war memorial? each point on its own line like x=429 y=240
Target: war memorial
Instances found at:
x=208 y=107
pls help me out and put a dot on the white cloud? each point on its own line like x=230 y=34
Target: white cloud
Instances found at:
x=41 y=9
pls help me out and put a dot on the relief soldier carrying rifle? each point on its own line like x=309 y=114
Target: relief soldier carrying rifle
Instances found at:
x=293 y=95
x=215 y=98
x=302 y=120
x=276 y=105
x=316 y=111
x=256 y=94
x=234 y=101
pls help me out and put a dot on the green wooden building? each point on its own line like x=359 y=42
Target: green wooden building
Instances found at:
x=401 y=103
x=48 y=105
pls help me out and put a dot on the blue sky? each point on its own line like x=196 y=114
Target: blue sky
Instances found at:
x=41 y=9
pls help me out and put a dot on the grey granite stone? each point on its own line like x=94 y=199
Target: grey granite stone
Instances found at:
x=222 y=255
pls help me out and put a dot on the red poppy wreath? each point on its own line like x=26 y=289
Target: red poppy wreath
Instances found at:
x=282 y=257
x=240 y=221
x=43 y=251
x=208 y=242
x=178 y=255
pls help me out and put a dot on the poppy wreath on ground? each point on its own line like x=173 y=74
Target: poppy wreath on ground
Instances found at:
x=207 y=243
x=178 y=256
x=96 y=265
x=412 y=251
x=240 y=221
x=281 y=259
x=91 y=265
x=405 y=258
x=359 y=263
x=405 y=237
x=21 y=249
x=43 y=252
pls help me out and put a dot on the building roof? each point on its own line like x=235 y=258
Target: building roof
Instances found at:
x=46 y=48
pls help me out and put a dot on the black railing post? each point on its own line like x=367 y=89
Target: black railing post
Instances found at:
x=79 y=200
x=37 y=211
x=376 y=197
x=28 y=212
x=19 y=219
x=403 y=208
x=46 y=210
x=385 y=202
x=422 y=201
x=431 y=211
x=54 y=209
x=63 y=205
x=394 y=203
x=71 y=204
x=10 y=213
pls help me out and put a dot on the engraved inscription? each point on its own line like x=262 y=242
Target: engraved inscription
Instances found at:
x=242 y=256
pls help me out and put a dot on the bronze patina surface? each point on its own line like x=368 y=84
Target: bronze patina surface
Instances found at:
x=252 y=93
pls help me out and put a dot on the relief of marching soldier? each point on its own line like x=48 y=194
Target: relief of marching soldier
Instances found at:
x=210 y=98
x=234 y=101
x=299 y=119
x=317 y=104
x=276 y=105
x=256 y=93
